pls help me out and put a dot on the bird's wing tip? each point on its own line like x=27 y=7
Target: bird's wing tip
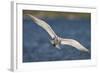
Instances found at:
x=86 y=51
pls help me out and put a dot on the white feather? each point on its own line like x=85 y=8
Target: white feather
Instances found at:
x=73 y=43
x=44 y=25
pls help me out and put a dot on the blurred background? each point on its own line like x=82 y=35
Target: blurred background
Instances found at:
x=36 y=41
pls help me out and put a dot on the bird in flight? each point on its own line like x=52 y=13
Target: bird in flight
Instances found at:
x=56 y=40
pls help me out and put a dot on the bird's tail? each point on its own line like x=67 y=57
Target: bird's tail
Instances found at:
x=57 y=46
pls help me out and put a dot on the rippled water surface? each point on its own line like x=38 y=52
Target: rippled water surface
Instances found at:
x=36 y=41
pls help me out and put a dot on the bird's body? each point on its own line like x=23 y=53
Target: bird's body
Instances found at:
x=57 y=41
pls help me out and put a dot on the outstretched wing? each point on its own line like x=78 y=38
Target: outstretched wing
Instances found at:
x=44 y=25
x=74 y=43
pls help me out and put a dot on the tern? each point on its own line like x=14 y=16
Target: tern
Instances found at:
x=56 y=40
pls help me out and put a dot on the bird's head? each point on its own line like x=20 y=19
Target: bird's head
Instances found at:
x=56 y=42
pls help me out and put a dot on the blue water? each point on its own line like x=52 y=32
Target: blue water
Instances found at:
x=37 y=46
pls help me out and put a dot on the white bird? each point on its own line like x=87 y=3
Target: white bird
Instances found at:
x=56 y=41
